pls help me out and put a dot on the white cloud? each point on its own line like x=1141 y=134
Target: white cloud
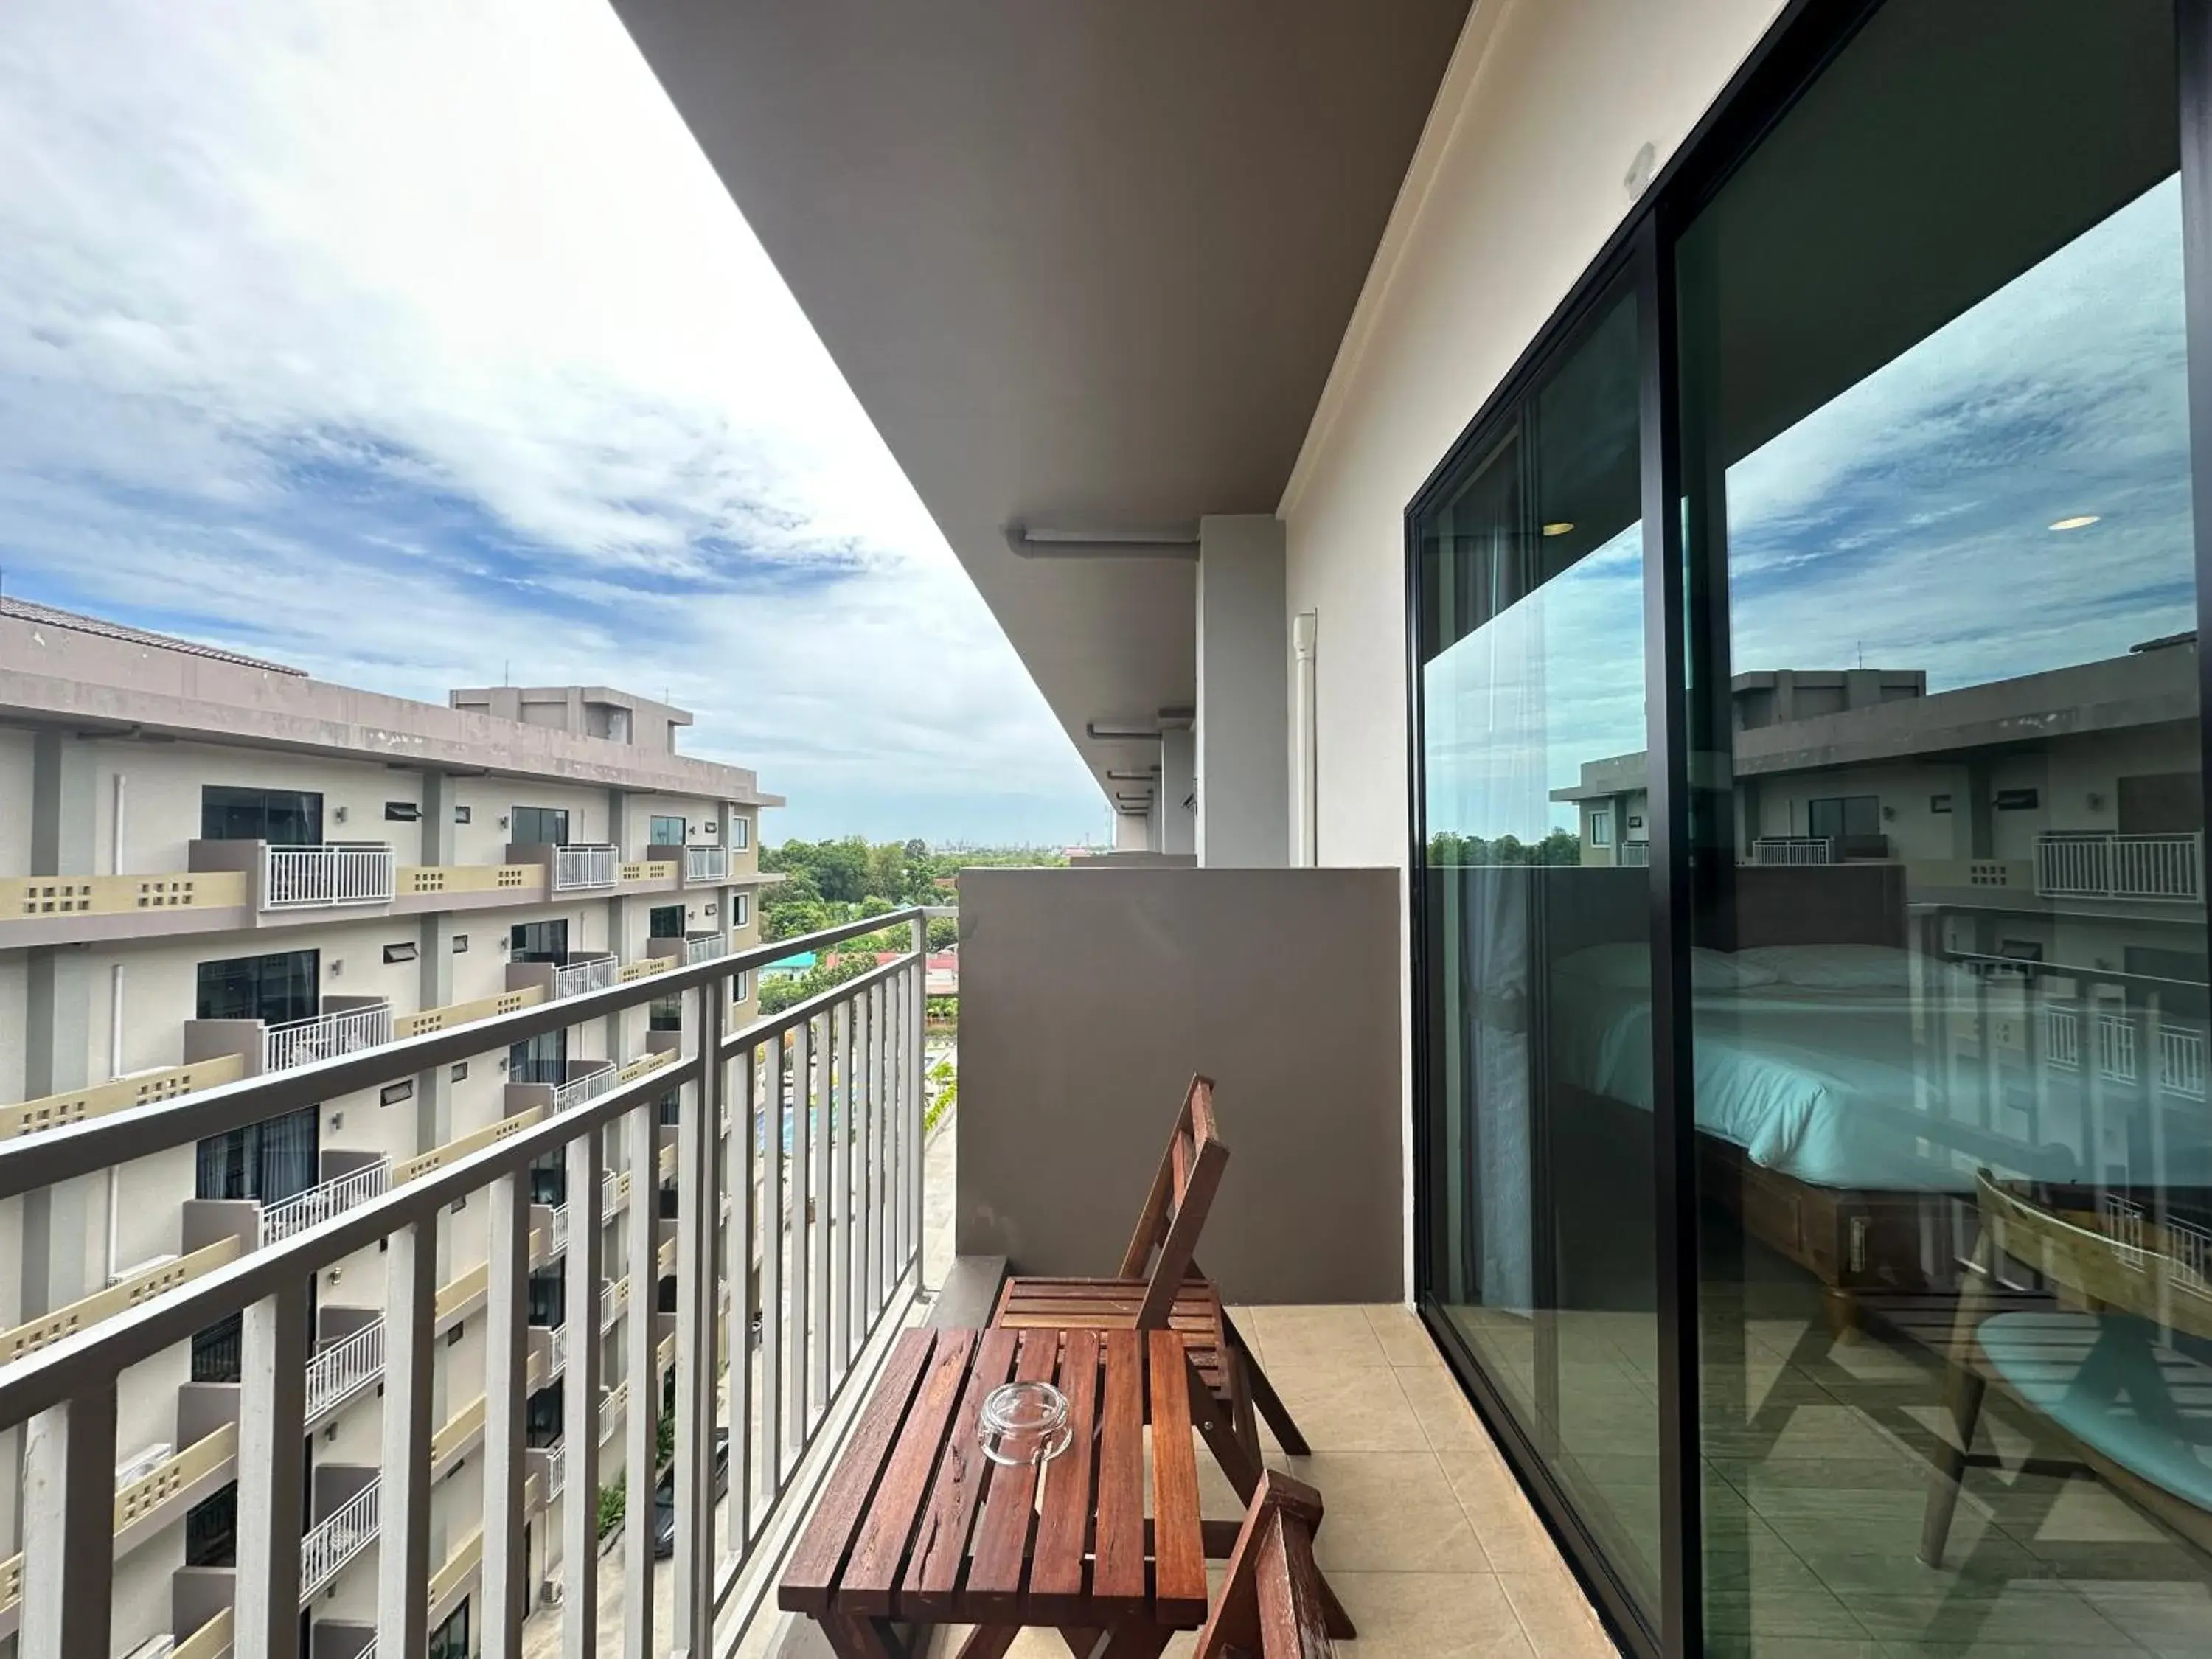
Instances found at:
x=411 y=340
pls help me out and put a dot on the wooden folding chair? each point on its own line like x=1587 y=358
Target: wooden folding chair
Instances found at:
x=1160 y=1286
x=1272 y=1605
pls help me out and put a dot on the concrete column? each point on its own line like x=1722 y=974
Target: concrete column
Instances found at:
x=1243 y=750
x=434 y=949
x=1132 y=831
x=1177 y=801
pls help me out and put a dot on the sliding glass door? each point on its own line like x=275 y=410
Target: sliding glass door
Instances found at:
x=1535 y=929
x=1905 y=1345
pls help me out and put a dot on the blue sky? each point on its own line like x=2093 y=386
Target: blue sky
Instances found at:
x=416 y=344
x=1904 y=523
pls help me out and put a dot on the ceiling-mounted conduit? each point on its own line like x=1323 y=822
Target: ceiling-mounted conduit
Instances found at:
x=1027 y=544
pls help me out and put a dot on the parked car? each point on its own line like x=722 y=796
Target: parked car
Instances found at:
x=664 y=1497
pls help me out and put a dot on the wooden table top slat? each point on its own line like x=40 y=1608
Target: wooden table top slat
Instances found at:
x=814 y=1565
x=1063 y=1537
x=996 y=1569
x=1178 y=1540
x=1119 y=1560
x=880 y=1552
x=940 y=1541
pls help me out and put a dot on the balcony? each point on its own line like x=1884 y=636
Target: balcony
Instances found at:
x=582 y=975
x=346 y=1025
x=320 y=877
x=597 y=1079
x=31 y=1117
x=578 y=869
x=2166 y=869
x=705 y=865
x=1791 y=850
x=823 y=1105
x=320 y=1203
x=336 y=1539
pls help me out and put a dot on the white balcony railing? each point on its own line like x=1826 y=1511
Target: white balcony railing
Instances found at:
x=592 y=974
x=333 y=1197
x=336 y=1539
x=2100 y=866
x=557 y=1361
x=301 y=1042
x=556 y=1471
x=825 y=1264
x=557 y=1230
x=1636 y=853
x=585 y=866
x=345 y=1367
x=696 y=950
x=1791 y=849
x=302 y=878
x=576 y=1091
x=2181 y=1049
x=706 y=863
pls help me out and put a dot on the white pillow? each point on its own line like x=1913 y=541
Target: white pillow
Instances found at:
x=1837 y=967
x=1628 y=967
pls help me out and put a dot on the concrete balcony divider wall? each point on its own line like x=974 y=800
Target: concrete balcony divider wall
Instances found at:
x=1089 y=997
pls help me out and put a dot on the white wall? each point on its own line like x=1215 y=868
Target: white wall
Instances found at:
x=14 y=803
x=162 y=798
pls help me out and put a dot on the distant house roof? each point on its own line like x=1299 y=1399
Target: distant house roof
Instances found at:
x=46 y=615
x=798 y=963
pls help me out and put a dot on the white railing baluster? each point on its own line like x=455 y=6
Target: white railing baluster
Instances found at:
x=337 y=1539
x=333 y=1197
x=402 y=1555
x=323 y=1037
x=299 y=878
x=272 y=1473
x=580 y=1418
x=585 y=866
x=641 y=1370
x=506 y=1382
x=345 y=1367
x=69 y=1521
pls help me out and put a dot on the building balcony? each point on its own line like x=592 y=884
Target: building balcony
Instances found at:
x=346 y=1025
x=703 y=867
x=320 y=1203
x=594 y=1079
x=2163 y=869
x=690 y=950
x=320 y=878
x=31 y=1117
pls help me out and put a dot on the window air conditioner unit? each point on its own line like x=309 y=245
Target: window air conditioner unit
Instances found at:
x=549 y=1592
x=143 y=1462
x=145 y=1267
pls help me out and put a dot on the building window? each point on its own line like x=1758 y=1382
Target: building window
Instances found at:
x=395 y=953
x=1939 y=803
x=402 y=812
x=540 y=1059
x=665 y=1014
x=740 y=985
x=534 y=826
x=1850 y=824
x=2017 y=801
x=285 y=985
x=450 y=1639
x=1600 y=828
x=548 y=1182
x=671 y=1106
x=667 y=831
x=269 y=1161
x=462 y=815
x=211 y=1530
x=285 y=817
x=664 y=921
x=218 y=1351
x=741 y=831
x=538 y=941
x=541 y=1423
x=741 y=910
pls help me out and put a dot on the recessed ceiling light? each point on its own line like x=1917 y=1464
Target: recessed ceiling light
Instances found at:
x=2078 y=523
x=1559 y=528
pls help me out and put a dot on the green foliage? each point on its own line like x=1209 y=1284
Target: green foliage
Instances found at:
x=943 y=1092
x=664 y=1448
x=781 y=993
x=944 y=933
x=612 y=1501
x=826 y=883
x=1560 y=846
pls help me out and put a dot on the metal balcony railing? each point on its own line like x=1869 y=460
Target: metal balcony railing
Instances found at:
x=2180 y=1049
x=301 y=877
x=333 y=1197
x=826 y=1261
x=575 y=867
x=338 y=1539
x=578 y=1089
x=555 y=1471
x=706 y=863
x=557 y=1360
x=705 y=949
x=1791 y=850
x=592 y=974
x=557 y=1230
x=324 y=1036
x=1636 y=853
x=339 y=1372
x=2102 y=865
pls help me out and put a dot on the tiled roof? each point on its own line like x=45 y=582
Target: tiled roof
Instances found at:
x=46 y=616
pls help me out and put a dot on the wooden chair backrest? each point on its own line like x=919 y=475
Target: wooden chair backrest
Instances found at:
x=1164 y=1247
x=2159 y=1275
x=1270 y=1605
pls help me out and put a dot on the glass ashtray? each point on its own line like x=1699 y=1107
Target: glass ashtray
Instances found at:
x=1024 y=1423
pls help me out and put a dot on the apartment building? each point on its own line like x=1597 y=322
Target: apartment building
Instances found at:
x=214 y=868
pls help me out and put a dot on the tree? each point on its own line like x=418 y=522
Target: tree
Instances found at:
x=944 y=933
